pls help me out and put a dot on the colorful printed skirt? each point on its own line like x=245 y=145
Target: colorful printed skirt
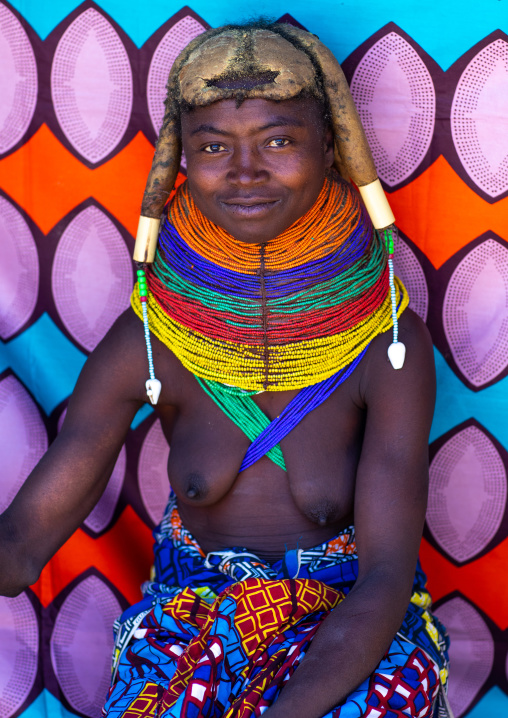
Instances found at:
x=219 y=634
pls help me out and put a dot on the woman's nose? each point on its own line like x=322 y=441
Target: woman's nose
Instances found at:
x=247 y=167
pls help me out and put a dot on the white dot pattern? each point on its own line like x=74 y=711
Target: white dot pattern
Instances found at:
x=478 y=118
x=19 y=647
x=475 y=312
x=415 y=108
x=82 y=642
x=471 y=652
x=163 y=58
x=20 y=426
x=473 y=498
x=19 y=270
x=18 y=80
x=408 y=269
x=93 y=119
x=91 y=276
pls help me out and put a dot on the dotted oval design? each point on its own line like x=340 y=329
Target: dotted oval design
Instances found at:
x=467 y=494
x=19 y=270
x=408 y=269
x=396 y=100
x=475 y=313
x=478 y=118
x=91 y=276
x=91 y=86
x=23 y=438
x=19 y=650
x=471 y=652
x=166 y=52
x=18 y=80
x=82 y=643
x=153 y=472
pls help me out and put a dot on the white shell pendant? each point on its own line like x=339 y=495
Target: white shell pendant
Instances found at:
x=397 y=354
x=153 y=389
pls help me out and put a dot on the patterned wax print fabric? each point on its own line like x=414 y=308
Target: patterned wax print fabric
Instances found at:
x=218 y=635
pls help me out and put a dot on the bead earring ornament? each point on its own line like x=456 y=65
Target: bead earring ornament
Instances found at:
x=153 y=385
x=396 y=350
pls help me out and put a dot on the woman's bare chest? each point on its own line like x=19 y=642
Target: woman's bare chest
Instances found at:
x=320 y=455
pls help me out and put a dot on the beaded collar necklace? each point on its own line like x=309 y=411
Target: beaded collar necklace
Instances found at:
x=282 y=315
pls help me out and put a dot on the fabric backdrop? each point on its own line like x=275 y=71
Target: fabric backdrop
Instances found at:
x=81 y=90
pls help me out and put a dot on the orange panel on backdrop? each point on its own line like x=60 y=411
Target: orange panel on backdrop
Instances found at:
x=47 y=181
x=123 y=554
x=483 y=581
x=441 y=214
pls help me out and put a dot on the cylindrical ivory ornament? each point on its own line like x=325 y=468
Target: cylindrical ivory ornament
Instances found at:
x=146 y=239
x=377 y=205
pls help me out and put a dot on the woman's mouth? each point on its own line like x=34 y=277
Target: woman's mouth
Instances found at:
x=252 y=207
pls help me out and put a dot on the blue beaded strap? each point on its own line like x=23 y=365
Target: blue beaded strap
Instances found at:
x=307 y=399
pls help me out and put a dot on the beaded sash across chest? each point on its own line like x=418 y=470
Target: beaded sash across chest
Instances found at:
x=282 y=315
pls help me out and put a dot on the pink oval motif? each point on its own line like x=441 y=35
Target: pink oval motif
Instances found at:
x=91 y=277
x=82 y=642
x=471 y=652
x=478 y=118
x=19 y=270
x=23 y=438
x=101 y=515
x=91 y=86
x=19 y=648
x=467 y=494
x=163 y=58
x=153 y=472
x=18 y=80
x=475 y=313
x=408 y=269
x=395 y=98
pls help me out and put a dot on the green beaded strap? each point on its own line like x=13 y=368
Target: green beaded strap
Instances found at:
x=243 y=411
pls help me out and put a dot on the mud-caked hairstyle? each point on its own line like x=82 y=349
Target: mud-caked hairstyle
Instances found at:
x=271 y=61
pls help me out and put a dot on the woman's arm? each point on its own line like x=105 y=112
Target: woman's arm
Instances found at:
x=70 y=478
x=390 y=504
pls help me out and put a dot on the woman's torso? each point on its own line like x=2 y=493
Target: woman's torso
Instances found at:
x=263 y=509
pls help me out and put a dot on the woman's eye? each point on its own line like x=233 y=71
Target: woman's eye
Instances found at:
x=278 y=142
x=214 y=148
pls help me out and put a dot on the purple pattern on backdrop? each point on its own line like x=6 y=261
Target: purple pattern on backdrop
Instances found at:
x=408 y=269
x=478 y=118
x=153 y=474
x=21 y=427
x=98 y=519
x=475 y=312
x=91 y=85
x=395 y=97
x=82 y=642
x=471 y=651
x=163 y=58
x=18 y=80
x=467 y=494
x=19 y=270
x=19 y=648
x=91 y=276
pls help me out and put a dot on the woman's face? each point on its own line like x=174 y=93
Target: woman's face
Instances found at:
x=257 y=168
